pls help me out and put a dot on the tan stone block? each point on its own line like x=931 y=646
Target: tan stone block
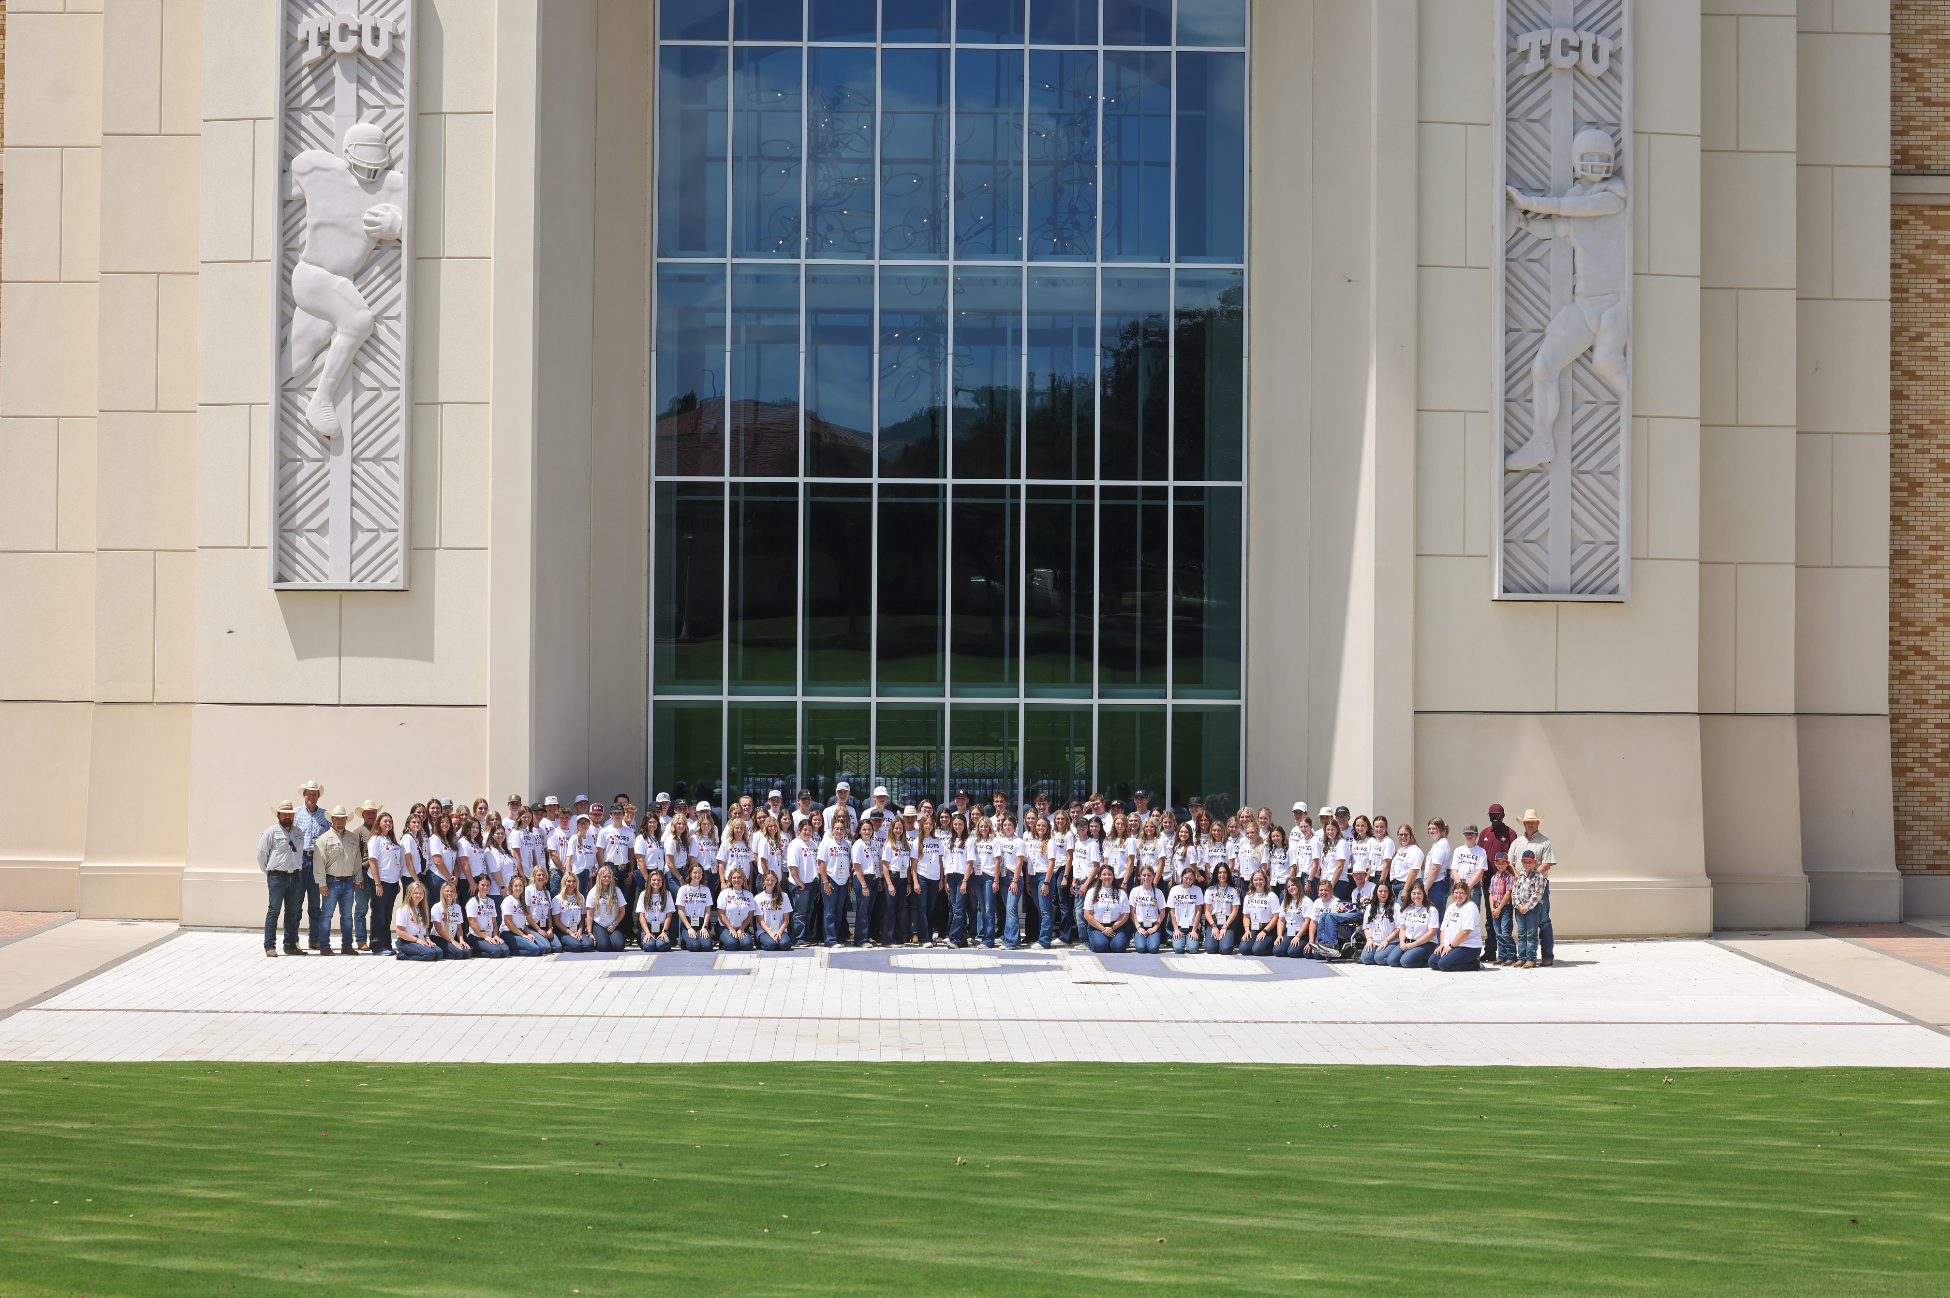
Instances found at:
x=127 y=327
x=1747 y=478
x=1640 y=447
x=1441 y=190
x=1814 y=221
x=1841 y=641
x=125 y=626
x=463 y=477
x=149 y=203
x=1456 y=41
x=238 y=38
x=260 y=478
x=182 y=67
x=1439 y=476
x=223 y=459
x=30 y=458
x=1672 y=483
x=1719 y=91
x=81 y=214
x=146 y=473
x=138 y=788
x=1819 y=15
x=1861 y=501
x=176 y=343
x=457 y=56
x=175 y=626
x=1746 y=216
x=1638 y=656
x=1452 y=339
x=1764 y=637
x=1858 y=15
x=1861 y=225
x=425 y=645
x=1665 y=346
x=1740 y=7
x=32 y=247
x=467 y=185
x=264 y=206
x=1475 y=654
x=1673 y=217
x=54 y=65
x=1764 y=375
x=1719 y=360
x=233 y=327
x=423 y=478
x=1478 y=458
x=1750 y=788
x=47 y=766
x=57 y=663
x=257 y=645
x=1848 y=820
x=47 y=349
x=132 y=67
x=1767 y=82
x=1666 y=85
x=451 y=327
x=429 y=190
x=1718 y=638
x=1843 y=369
x=1814 y=499
x=75 y=521
x=228 y=198
x=1843 y=98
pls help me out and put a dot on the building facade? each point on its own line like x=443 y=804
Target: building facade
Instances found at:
x=996 y=395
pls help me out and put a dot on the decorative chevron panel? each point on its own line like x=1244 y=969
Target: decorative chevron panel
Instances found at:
x=339 y=502
x=1562 y=504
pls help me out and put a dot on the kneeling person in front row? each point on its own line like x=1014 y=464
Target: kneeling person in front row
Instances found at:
x=736 y=913
x=450 y=925
x=694 y=911
x=606 y=910
x=774 y=916
x=1107 y=914
x=571 y=916
x=412 y=926
x=483 y=925
x=656 y=907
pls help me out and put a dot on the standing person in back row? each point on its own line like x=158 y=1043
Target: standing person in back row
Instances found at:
x=336 y=869
x=312 y=821
x=281 y=855
x=1533 y=839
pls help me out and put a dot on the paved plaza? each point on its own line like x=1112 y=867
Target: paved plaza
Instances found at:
x=1775 y=999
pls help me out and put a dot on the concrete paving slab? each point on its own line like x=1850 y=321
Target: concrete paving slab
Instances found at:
x=1882 y=978
x=45 y=961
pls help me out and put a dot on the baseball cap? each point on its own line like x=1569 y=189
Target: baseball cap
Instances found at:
x=1502 y=856
x=775 y=794
x=1142 y=793
x=551 y=801
x=514 y=799
x=842 y=785
x=1340 y=811
x=1299 y=806
x=1496 y=808
x=1471 y=829
x=582 y=797
x=805 y=793
x=661 y=797
x=880 y=791
x=704 y=806
x=1528 y=855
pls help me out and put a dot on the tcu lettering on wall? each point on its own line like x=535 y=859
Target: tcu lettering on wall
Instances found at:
x=1563 y=301
x=340 y=352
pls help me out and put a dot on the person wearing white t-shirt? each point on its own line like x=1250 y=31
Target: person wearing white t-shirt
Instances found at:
x=484 y=923
x=607 y=904
x=1417 y=929
x=1468 y=869
x=1336 y=854
x=802 y=871
x=1461 y=946
x=656 y=911
x=571 y=916
x=1379 y=924
x=515 y=928
x=1106 y=912
x=1435 y=865
x=1296 y=919
x=1009 y=882
x=738 y=929
x=539 y=904
x=1186 y=907
x=982 y=850
x=956 y=849
x=1147 y=906
x=450 y=925
x=1407 y=862
x=1261 y=908
x=774 y=915
x=868 y=894
x=836 y=873
x=413 y=925
x=694 y=912
x=1222 y=921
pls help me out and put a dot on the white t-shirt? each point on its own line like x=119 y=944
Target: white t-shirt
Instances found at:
x=440 y=859
x=614 y=843
x=1220 y=903
x=1466 y=865
x=695 y=900
x=736 y=906
x=771 y=912
x=1334 y=859
x=1036 y=852
x=514 y=917
x=1296 y=913
x=569 y=909
x=955 y=856
x=838 y=859
x=1279 y=867
x=650 y=851
x=607 y=910
x=449 y=919
x=929 y=860
x=655 y=908
x=1381 y=928
x=1261 y=907
x=482 y=911
x=540 y=906
x=387 y=856
x=1458 y=918
x=581 y=856
x=1415 y=921
x=1406 y=865
x=736 y=856
x=1441 y=852
x=895 y=857
x=802 y=862
x=863 y=858
x=1146 y=904
x=1185 y=900
x=408 y=922
x=1109 y=905
x=1008 y=856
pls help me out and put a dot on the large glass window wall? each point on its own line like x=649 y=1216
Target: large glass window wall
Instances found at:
x=949 y=370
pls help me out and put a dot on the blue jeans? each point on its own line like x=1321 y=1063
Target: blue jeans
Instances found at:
x=906 y=915
x=1546 y=934
x=1292 y=947
x=1390 y=954
x=1257 y=943
x=495 y=950
x=1504 y=926
x=1147 y=943
x=1116 y=942
x=698 y=941
x=606 y=939
x=361 y=903
x=926 y=893
x=338 y=897
x=416 y=951
x=730 y=941
x=1018 y=906
x=834 y=904
x=313 y=906
x=1221 y=941
x=1460 y=959
x=658 y=941
x=284 y=888
x=980 y=899
x=766 y=942
x=453 y=950
x=1439 y=894
x=1529 y=928
x=1048 y=904
x=1185 y=942
x=866 y=890
x=805 y=906
x=382 y=916
x=1415 y=957
x=572 y=942
x=957 y=908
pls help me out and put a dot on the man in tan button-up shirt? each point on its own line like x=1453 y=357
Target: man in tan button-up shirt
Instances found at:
x=335 y=864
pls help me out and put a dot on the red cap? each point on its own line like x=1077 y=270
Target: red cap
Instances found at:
x=1496 y=808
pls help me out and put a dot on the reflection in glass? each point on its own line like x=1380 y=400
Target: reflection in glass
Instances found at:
x=909 y=582
x=1133 y=621
x=839 y=746
x=914 y=154
x=1212 y=157
x=690 y=366
x=692 y=20
x=1137 y=22
x=688 y=613
x=839 y=588
x=1055 y=752
x=764 y=415
x=988 y=22
x=1062 y=387
x=765 y=153
x=691 y=151
x=1137 y=156
x=1135 y=364
x=1062 y=155
x=767 y=20
x=839 y=375
x=764 y=626
x=842 y=20
x=763 y=751
x=1206 y=583
x=983 y=585
x=1211 y=22
x=1131 y=751
x=1205 y=757
x=839 y=145
x=1210 y=396
x=1063 y=22
x=914 y=21
x=988 y=154
x=913 y=374
x=987 y=375
x=1059 y=553
x=687 y=749
x=907 y=752
x=984 y=749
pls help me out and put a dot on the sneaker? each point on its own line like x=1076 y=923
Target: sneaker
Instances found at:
x=1037 y=946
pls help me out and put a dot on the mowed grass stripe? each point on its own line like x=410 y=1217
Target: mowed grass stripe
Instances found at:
x=967 y=1179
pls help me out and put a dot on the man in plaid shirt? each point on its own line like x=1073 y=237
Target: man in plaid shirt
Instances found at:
x=1527 y=891
x=1502 y=916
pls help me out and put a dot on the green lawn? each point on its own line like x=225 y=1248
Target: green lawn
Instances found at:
x=980 y=1179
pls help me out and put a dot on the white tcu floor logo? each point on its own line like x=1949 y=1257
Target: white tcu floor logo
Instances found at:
x=1563 y=297
x=341 y=367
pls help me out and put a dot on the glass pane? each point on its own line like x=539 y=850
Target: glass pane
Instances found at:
x=988 y=154
x=1135 y=363
x=913 y=374
x=764 y=750
x=842 y=20
x=839 y=588
x=765 y=153
x=1137 y=156
x=1062 y=155
x=1211 y=324
x=908 y=757
x=1055 y=753
x=691 y=150
x=1137 y=22
x=914 y=21
x=691 y=20
x=1211 y=157
x=839 y=375
x=983 y=749
x=1063 y=22
x=767 y=20
x=689 y=612
x=988 y=375
x=687 y=749
x=914 y=154
x=690 y=369
x=988 y=536
x=1211 y=22
x=1130 y=751
x=911 y=624
x=839 y=746
x=1133 y=619
x=764 y=416
x=1205 y=758
x=764 y=629
x=1206 y=585
x=839 y=140
x=988 y=22
x=1062 y=387
x=1060 y=554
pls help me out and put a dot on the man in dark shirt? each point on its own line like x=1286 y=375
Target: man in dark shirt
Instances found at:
x=1496 y=836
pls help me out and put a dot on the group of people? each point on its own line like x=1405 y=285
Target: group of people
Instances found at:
x=459 y=882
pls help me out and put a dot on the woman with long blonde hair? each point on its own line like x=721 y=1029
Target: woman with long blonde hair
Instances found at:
x=607 y=906
x=413 y=926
